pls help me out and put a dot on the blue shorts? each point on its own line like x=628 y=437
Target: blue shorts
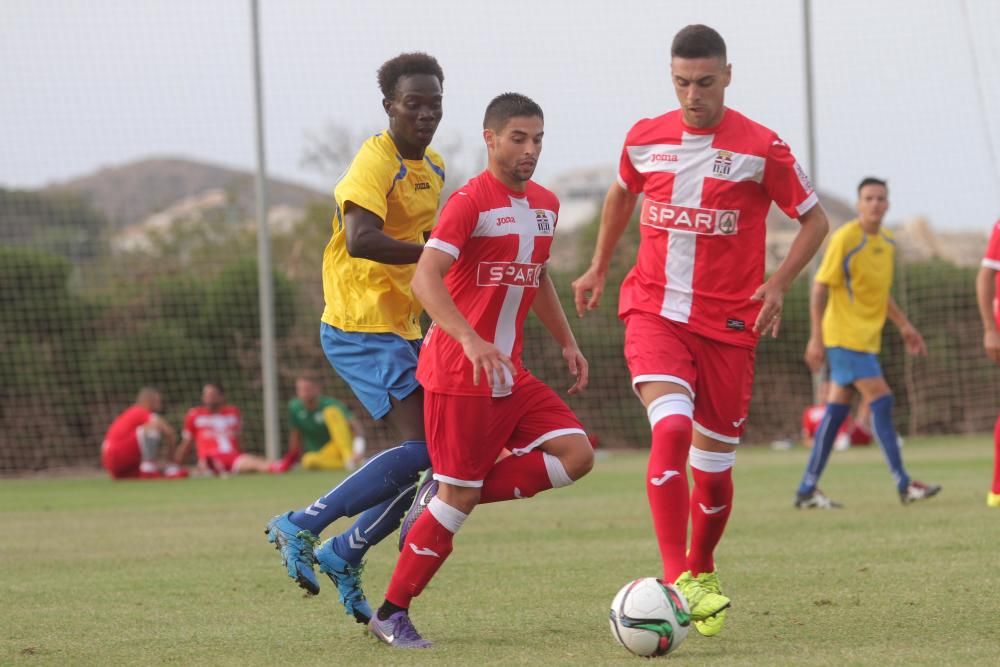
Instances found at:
x=846 y=366
x=374 y=365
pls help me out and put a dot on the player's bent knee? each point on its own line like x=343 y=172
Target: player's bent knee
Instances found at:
x=462 y=498
x=578 y=459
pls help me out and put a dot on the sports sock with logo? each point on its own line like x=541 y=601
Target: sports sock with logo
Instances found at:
x=373 y=526
x=384 y=476
x=885 y=433
x=523 y=477
x=711 y=504
x=823 y=445
x=667 y=480
x=427 y=545
x=996 y=457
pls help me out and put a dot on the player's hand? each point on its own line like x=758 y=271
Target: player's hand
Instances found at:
x=915 y=344
x=587 y=290
x=578 y=368
x=769 y=317
x=815 y=354
x=991 y=343
x=488 y=358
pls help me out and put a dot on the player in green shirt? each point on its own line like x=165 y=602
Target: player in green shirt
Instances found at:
x=323 y=429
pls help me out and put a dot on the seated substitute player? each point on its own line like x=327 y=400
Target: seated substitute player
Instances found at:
x=132 y=445
x=987 y=290
x=322 y=431
x=386 y=205
x=483 y=271
x=848 y=305
x=696 y=301
x=214 y=429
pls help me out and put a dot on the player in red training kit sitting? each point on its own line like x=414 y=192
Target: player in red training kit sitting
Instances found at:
x=214 y=428
x=132 y=444
x=696 y=301
x=482 y=271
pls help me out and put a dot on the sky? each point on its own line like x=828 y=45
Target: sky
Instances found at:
x=908 y=90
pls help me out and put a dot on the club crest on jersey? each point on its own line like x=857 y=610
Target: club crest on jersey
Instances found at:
x=542 y=218
x=509 y=274
x=707 y=221
x=723 y=163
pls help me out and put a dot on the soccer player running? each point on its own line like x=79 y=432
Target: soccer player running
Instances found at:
x=987 y=289
x=386 y=205
x=483 y=271
x=848 y=305
x=696 y=301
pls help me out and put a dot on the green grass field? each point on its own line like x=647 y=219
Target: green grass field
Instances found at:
x=95 y=572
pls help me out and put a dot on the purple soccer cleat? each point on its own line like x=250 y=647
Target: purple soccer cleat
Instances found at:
x=397 y=631
x=427 y=488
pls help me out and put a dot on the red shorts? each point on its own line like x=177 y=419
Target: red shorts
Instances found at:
x=121 y=458
x=223 y=461
x=719 y=376
x=465 y=434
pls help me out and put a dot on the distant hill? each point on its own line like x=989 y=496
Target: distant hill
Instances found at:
x=130 y=193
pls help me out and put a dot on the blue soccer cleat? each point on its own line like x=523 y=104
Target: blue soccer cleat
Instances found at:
x=427 y=488
x=347 y=579
x=296 y=548
x=397 y=631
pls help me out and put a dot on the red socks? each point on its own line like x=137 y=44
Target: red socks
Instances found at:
x=996 y=457
x=427 y=545
x=523 y=476
x=711 y=504
x=666 y=478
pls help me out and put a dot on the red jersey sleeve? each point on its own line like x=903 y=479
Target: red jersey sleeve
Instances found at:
x=455 y=225
x=786 y=182
x=628 y=176
x=991 y=259
x=188 y=431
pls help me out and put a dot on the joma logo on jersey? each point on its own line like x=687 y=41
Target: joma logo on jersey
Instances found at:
x=423 y=185
x=506 y=220
x=723 y=163
x=511 y=274
x=542 y=218
x=688 y=219
x=663 y=157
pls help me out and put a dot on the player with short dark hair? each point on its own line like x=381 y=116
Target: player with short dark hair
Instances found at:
x=483 y=271
x=696 y=301
x=848 y=306
x=987 y=291
x=387 y=202
x=322 y=431
x=131 y=447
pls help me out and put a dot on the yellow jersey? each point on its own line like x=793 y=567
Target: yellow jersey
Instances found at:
x=366 y=296
x=858 y=268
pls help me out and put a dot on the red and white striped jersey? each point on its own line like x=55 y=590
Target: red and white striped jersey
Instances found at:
x=707 y=194
x=992 y=261
x=500 y=240
x=214 y=432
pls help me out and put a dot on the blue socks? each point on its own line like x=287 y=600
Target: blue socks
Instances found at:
x=885 y=433
x=383 y=478
x=373 y=526
x=823 y=445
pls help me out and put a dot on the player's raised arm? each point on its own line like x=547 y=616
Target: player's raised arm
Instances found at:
x=550 y=313
x=618 y=206
x=428 y=286
x=813 y=228
x=365 y=239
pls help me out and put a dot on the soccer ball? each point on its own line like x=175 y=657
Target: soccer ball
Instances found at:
x=650 y=617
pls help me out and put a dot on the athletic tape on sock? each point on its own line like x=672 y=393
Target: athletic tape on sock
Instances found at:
x=670 y=404
x=557 y=471
x=446 y=515
x=711 y=461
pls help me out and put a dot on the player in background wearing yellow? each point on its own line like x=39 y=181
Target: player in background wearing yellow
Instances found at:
x=848 y=306
x=322 y=430
x=387 y=202
x=987 y=289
